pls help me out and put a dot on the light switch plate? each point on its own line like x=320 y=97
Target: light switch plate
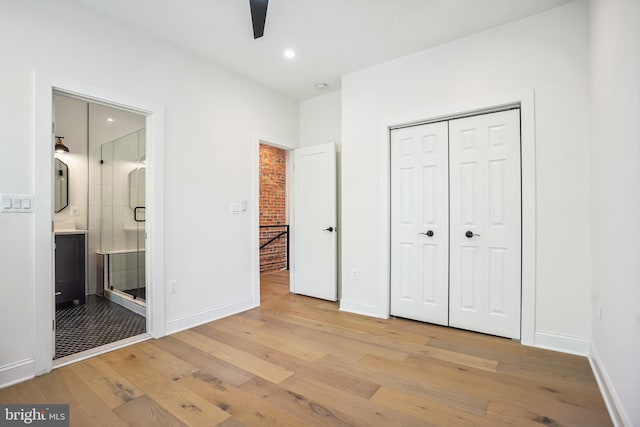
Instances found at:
x=235 y=208
x=7 y=202
x=16 y=203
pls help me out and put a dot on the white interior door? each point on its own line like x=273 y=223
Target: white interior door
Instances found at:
x=420 y=223
x=485 y=204
x=315 y=233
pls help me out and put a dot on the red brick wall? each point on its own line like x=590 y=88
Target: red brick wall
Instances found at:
x=273 y=207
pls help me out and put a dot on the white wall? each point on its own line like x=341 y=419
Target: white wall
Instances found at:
x=211 y=116
x=320 y=120
x=547 y=53
x=615 y=153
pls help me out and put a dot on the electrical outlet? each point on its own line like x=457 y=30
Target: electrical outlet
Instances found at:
x=355 y=274
x=173 y=287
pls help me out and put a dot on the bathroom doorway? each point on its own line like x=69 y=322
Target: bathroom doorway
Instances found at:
x=99 y=226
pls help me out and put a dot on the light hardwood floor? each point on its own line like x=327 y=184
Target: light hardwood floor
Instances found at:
x=299 y=361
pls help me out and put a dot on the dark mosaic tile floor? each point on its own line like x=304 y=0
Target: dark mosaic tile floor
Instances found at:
x=98 y=322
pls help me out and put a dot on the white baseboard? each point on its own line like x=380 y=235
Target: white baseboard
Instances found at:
x=196 y=319
x=617 y=412
x=17 y=372
x=359 y=307
x=562 y=343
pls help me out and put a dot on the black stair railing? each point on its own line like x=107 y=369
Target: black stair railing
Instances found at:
x=283 y=233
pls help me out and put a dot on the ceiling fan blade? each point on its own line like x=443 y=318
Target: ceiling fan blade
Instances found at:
x=258 y=16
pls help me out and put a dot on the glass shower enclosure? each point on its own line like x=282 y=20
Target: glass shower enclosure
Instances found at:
x=122 y=219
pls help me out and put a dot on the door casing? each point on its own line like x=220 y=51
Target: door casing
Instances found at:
x=44 y=86
x=524 y=100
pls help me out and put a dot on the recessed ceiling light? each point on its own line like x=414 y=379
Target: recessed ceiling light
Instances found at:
x=289 y=53
x=321 y=86
x=110 y=120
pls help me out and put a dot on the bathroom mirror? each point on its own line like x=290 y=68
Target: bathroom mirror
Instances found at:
x=61 y=184
x=137 y=192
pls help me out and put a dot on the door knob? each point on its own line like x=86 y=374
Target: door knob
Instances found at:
x=329 y=229
x=428 y=233
x=470 y=234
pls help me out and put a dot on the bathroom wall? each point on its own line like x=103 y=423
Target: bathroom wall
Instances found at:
x=71 y=123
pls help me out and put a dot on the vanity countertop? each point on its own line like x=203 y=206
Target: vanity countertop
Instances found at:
x=63 y=232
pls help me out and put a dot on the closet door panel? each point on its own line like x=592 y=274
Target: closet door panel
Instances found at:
x=485 y=203
x=419 y=229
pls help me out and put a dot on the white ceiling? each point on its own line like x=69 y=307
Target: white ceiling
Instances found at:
x=330 y=37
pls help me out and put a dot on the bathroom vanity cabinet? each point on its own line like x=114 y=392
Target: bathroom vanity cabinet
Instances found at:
x=70 y=267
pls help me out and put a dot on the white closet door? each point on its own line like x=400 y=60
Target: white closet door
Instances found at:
x=485 y=203
x=420 y=223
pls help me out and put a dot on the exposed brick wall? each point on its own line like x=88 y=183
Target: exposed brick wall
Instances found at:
x=273 y=207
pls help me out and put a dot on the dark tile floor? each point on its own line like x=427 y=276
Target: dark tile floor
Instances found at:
x=98 y=322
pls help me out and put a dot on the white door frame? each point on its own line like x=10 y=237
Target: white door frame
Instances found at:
x=527 y=125
x=44 y=86
x=255 y=217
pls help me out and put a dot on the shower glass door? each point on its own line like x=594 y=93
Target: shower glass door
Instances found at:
x=122 y=234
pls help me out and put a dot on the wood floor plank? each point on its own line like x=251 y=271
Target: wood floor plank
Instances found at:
x=430 y=412
x=146 y=412
x=404 y=342
x=183 y=403
x=241 y=359
x=353 y=411
x=206 y=363
x=245 y=407
x=63 y=386
x=550 y=413
x=170 y=365
x=356 y=385
x=446 y=396
x=499 y=349
x=353 y=350
x=461 y=358
x=311 y=411
x=114 y=389
x=282 y=343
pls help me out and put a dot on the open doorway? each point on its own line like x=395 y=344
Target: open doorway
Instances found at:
x=99 y=225
x=274 y=237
